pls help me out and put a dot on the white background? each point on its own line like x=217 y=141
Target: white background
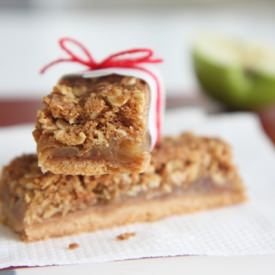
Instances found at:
x=28 y=40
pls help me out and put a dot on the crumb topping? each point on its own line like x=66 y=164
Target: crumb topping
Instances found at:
x=176 y=162
x=86 y=112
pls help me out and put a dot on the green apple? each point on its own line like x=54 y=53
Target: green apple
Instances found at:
x=241 y=75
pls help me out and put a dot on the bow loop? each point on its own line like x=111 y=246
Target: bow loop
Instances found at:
x=128 y=58
x=72 y=57
x=63 y=43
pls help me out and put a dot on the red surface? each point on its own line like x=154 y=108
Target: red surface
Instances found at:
x=19 y=111
x=267 y=118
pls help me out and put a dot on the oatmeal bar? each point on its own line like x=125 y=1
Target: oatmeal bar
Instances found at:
x=94 y=126
x=186 y=174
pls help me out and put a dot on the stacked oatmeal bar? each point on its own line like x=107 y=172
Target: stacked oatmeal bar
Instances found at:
x=94 y=126
x=94 y=166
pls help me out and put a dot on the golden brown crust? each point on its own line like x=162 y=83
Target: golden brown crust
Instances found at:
x=2 y=219
x=94 y=115
x=183 y=165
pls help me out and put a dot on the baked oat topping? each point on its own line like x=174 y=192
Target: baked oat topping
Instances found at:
x=176 y=162
x=85 y=112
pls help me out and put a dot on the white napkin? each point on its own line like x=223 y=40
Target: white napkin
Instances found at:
x=247 y=229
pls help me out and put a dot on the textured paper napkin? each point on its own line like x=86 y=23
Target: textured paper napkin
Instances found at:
x=247 y=229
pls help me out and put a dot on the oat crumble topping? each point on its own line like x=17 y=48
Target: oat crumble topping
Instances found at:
x=87 y=112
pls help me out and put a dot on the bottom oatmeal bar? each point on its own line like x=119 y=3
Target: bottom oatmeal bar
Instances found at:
x=187 y=173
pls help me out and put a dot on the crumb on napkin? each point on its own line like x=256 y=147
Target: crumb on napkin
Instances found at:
x=125 y=236
x=73 y=246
